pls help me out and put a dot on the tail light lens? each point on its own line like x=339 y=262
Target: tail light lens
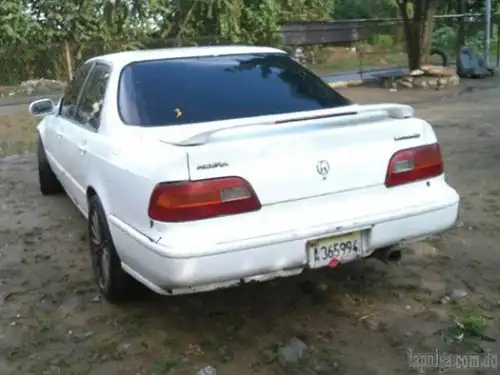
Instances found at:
x=203 y=199
x=414 y=164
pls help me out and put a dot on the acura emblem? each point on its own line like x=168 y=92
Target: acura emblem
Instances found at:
x=323 y=167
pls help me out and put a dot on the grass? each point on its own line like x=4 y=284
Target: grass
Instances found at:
x=469 y=329
x=348 y=62
x=359 y=62
x=17 y=132
x=472 y=320
x=323 y=357
x=166 y=365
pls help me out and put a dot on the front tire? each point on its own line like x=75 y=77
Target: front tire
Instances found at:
x=49 y=183
x=113 y=282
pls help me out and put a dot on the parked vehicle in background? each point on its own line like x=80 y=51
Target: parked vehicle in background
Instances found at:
x=201 y=168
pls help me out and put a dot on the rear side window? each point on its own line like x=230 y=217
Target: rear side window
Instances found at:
x=192 y=90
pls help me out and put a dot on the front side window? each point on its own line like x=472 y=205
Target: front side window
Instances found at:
x=89 y=109
x=214 y=88
x=70 y=98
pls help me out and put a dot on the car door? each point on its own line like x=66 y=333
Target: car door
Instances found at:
x=62 y=122
x=83 y=137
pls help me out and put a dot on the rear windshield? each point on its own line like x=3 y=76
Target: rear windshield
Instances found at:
x=192 y=90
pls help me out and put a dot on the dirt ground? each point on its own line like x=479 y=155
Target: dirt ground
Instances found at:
x=361 y=318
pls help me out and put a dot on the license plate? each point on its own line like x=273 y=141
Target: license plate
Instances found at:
x=331 y=251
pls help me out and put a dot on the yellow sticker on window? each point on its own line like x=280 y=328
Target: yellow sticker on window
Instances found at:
x=178 y=113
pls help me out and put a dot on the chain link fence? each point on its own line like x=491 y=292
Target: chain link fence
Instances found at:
x=36 y=69
x=381 y=44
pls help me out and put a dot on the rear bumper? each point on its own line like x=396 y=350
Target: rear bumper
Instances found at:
x=271 y=256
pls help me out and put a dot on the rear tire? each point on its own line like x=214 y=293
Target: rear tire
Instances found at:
x=113 y=282
x=49 y=183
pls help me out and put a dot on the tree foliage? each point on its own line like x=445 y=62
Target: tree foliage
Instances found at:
x=16 y=25
x=107 y=21
x=62 y=33
x=365 y=9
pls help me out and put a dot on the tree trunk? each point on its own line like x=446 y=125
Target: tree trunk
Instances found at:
x=413 y=46
x=426 y=33
x=418 y=30
x=69 y=59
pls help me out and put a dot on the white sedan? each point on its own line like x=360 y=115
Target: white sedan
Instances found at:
x=206 y=167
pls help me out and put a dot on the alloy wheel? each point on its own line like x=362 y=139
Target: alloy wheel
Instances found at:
x=100 y=251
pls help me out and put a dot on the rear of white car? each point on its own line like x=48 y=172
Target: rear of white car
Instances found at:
x=283 y=174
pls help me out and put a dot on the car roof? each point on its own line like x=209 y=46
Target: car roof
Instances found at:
x=120 y=59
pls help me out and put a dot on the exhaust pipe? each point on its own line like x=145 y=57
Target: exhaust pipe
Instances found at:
x=388 y=255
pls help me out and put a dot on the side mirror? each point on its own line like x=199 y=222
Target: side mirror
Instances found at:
x=42 y=107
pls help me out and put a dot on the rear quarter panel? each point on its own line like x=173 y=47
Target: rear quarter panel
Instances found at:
x=129 y=175
x=129 y=165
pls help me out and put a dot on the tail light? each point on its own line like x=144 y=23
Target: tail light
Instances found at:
x=203 y=199
x=414 y=164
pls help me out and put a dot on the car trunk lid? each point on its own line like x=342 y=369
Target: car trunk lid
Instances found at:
x=296 y=157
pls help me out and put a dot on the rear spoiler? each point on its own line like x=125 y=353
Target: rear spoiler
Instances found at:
x=395 y=111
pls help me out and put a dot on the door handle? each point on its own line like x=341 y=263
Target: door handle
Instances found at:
x=59 y=134
x=83 y=148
